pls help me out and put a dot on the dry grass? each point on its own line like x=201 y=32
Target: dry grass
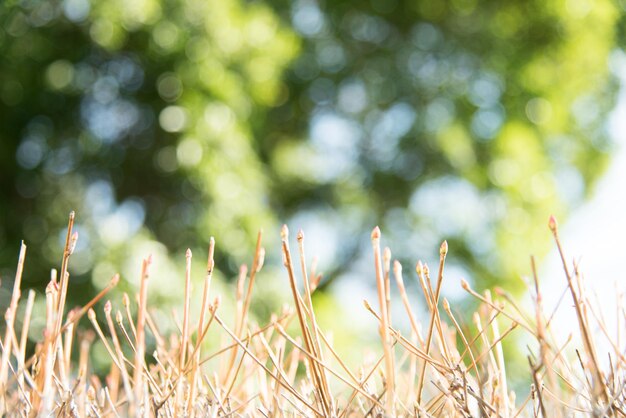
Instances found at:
x=447 y=365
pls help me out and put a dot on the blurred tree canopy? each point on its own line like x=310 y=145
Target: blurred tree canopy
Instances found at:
x=175 y=120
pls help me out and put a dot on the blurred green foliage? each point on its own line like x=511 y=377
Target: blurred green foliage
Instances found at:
x=142 y=116
x=175 y=120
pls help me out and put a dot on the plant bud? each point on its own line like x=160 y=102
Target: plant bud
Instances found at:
x=443 y=250
x=397 y=267
x=367 y=305
x=552 y=224
x=115 y=280
x=419 y=268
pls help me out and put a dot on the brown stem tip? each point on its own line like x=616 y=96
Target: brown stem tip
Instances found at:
x=115 y=280
x=552 y=223
x=397 y=267
x=443 y=250
x=376 y=233
x=419 y=268
x=284 y=233
x=300 y=235
x=367 y=305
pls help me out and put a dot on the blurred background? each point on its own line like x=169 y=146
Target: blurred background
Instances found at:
x=163 y=123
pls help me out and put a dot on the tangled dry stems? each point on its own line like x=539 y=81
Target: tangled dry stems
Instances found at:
x=444 y=368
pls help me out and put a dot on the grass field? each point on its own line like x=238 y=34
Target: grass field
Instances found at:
x=449 y=364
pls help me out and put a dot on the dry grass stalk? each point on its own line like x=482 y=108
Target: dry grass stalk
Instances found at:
x=316 y=345
x=434 y=317
x=70 y=244
x=384 y=326
x=431 y=377
x=9 y=316
x=324 y=400
x=119 y=354
x=599 y=388
x=140 y=341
